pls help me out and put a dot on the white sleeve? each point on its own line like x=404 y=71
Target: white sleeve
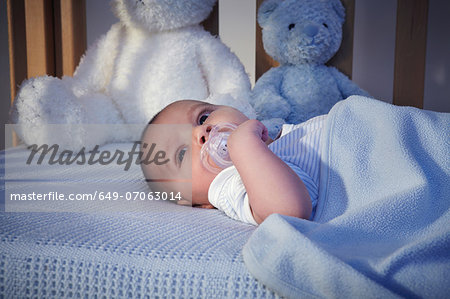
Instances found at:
x=227 y=193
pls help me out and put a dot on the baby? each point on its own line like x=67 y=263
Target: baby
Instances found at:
x=266 y=177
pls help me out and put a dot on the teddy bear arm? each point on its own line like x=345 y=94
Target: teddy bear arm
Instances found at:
x=269 y=83
x=96 y=67
x=267 y=98
x=48 y=100
x=225 y=76
x=346 y=86
x=222 y=70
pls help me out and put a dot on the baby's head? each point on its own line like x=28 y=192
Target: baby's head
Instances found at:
x=187 y=126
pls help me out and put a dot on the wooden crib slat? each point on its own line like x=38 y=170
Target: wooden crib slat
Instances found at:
x=45 y=37
x=17 y=44
x=343 y=59
x=211 y=24
x=70 y=35
x=39 y=37
x=410 y=50
x=263 y=61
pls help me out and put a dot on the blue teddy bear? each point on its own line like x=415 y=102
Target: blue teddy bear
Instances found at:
x=302 y=35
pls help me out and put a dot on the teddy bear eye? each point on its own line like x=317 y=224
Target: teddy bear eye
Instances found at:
x=325 y=25
x=291 y=26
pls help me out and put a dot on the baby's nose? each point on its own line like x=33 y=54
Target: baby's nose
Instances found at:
x=200 y=134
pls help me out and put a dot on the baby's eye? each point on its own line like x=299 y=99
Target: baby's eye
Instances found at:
x=181 y=155
x=203 y=118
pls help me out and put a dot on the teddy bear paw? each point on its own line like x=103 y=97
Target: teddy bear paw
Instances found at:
x=46 y=100
x=273 y=126
x=43 y=108
x=270 y=106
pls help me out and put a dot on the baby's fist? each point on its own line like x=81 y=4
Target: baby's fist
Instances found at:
x=248 y=131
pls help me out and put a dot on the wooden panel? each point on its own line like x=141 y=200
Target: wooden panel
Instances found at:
x=70 y=35
x=263 y=61
x=343 y=59
x=39 y=36
x=211 y=24
x=410 y=50
x=45 y=37
x=17 y=44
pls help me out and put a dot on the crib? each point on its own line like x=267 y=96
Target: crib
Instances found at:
x=165 y=250
x=49 y=37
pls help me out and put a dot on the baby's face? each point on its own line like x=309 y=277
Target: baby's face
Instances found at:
x=184 y=151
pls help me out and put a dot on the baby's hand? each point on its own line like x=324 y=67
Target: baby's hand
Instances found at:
x=250 y=131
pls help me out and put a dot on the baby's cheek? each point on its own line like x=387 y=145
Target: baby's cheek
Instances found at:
x=201 y=180
x=146 y=171
x=183 y=189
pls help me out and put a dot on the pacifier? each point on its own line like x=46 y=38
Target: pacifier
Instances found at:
x=214 y=152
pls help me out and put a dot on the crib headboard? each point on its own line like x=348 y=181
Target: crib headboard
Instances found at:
x=49 y=37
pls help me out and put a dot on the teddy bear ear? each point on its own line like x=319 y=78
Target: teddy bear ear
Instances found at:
x=265 y=10
x=339 y=9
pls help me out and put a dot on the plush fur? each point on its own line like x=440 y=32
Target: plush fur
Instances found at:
x=158 y=53
x=301 y=35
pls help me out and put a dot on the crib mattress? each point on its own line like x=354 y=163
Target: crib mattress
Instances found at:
x=152 y=249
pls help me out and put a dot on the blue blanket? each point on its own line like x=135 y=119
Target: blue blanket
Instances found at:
x=382 y=225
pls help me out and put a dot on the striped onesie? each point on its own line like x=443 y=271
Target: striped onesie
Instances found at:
x=298 y=146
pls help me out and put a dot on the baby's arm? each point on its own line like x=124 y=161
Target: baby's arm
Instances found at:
x=271 y=185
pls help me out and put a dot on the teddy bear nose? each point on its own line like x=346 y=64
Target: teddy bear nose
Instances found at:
x=310 y=30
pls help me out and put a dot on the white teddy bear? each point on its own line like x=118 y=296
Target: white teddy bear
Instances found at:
x=158 y=53
x=302 y=35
